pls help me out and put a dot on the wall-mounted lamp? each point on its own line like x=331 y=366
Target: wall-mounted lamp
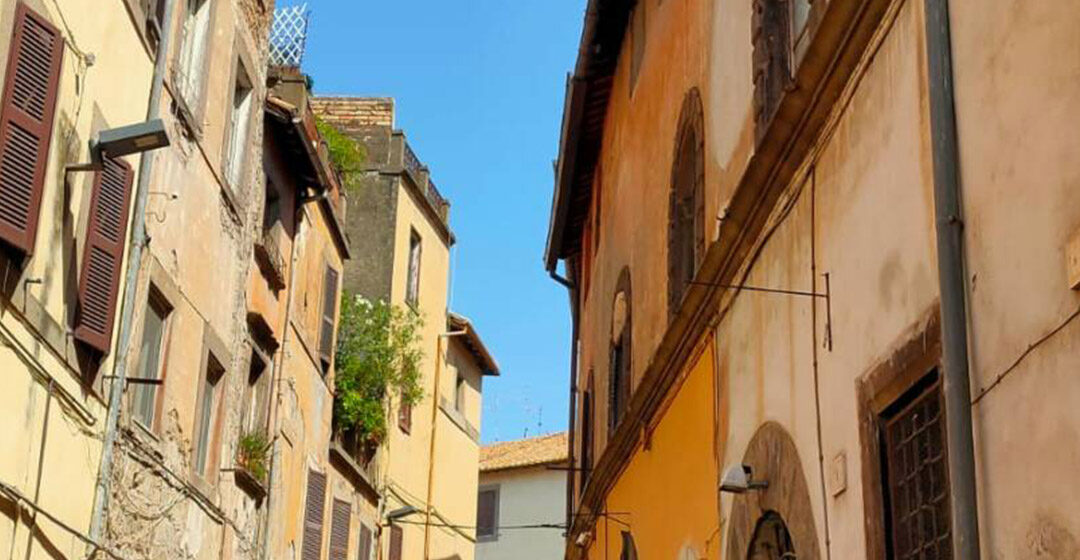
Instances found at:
x=400 y=513
x=122 y=141
x=739 y=479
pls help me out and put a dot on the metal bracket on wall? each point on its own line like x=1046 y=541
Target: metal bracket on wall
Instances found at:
x=827 y=296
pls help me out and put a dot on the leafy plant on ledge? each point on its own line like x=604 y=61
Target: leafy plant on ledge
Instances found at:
x=378 y=358
x=252 y=454
x=346 y=154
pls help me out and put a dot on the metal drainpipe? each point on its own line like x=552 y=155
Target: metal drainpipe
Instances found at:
x=434 y=430
x=571 y=464
x=951 y=277
x=127 y=304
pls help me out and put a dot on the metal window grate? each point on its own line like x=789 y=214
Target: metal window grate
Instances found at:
x=288 y=35
x=917 y=476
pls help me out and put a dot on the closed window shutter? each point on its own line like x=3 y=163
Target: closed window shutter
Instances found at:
x=313 y=516
x=365 y=543
x=405 y=417
x=26 y=119
x=326 y=335
x=103 y=254
x=486 y=516
x=395 y=542
x=339 y=530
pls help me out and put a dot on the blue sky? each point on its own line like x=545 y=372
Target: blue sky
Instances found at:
x=479 y=87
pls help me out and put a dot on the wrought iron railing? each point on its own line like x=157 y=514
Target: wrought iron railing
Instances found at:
x=411 y=162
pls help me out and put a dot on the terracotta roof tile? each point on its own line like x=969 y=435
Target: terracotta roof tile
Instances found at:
x=542 y=450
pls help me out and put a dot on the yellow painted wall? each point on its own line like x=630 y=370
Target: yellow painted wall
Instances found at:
x=666 y=494
x=112 y=92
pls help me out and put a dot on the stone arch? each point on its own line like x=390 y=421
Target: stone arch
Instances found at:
x=773 y=456
x=686 y=209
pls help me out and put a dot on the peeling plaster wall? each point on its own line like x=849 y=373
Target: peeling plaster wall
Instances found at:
x=201 y=233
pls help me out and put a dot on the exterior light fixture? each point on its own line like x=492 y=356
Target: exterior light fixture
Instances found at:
x=122 y=141
x=738 y=479
x=125 y=140
x=400 y=513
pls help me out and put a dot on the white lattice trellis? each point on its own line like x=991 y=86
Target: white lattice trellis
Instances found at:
x=288 y=36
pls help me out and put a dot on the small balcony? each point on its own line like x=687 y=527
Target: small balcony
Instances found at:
x=358 y=455
x=270 y=257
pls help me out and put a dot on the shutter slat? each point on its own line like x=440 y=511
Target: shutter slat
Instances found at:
x=103 y=254
x=313 y=516
x=339 y=530
x=26 y=118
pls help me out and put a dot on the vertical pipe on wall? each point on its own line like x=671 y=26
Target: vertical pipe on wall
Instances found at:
x=951 y=276
x=571 y=471
x=127 y=304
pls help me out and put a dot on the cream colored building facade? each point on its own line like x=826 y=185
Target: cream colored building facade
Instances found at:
x=53 y=411
x=807 y=301
x=522 y=499
x=399 y=224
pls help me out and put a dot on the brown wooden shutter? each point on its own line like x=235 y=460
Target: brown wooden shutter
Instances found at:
x=405 y=417
x=487 y=519
x=339 y=530
x=103 y=254
x=26 y=119
x=365 y=543
x=326 y=335
x=395 y=542
x=313 y=516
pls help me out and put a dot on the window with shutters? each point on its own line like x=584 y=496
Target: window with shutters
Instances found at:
x=487 y=514
x=239 y=123
x=365 y=543
x=328 y=322
x=459 y=393
x=686 y=209
x=340 y=517
x=26 y=121
x=191 y=66
x=150 y=365
x=915 y=474
x=586 y=434
x=103 y=254
x=772 y=32
x=405 y=417
x=257 y=394
x=206 y=422
x=412 y=289
x=396 y=542
x=619 y=381
x=313 y=516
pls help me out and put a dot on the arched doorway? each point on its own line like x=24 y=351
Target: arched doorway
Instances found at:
x=772 y=540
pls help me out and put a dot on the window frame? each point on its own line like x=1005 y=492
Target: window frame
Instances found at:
x=253 y=403
x=208 y=429
x=191 y=85
x=156 y=303
x=495 y=489
x=236 y=153
x=686 y=242
x=460 y=384
x=413 y=267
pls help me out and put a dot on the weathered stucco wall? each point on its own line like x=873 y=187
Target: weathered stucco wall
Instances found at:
x=52 y=445
x=1017 y=97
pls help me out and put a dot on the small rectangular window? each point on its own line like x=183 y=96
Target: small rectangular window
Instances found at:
x=487 y=514
x=340 y=520
x=240 y=117
x=915 y=474
x=459 y=393
x=256 y=394
x=412 y=291
x=313 y=516
x=329 y=317
x=192 y=63
x=151 y=357
x=405 y=417
x=206 y=430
